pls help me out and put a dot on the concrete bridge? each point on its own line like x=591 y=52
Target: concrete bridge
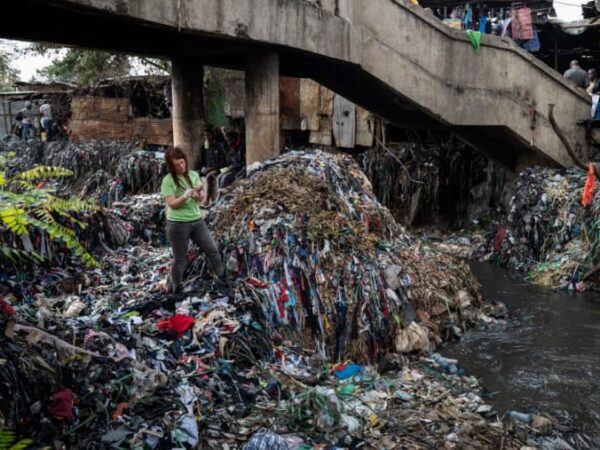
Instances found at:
x=388 y=56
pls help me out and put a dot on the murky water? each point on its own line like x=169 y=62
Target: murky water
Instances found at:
x=547 y=359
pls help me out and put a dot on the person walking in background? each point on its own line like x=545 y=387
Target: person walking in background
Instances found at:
x=213 y=159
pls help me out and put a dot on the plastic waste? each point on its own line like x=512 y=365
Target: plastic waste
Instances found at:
x=521 y=417
x=404 y=396
x=449 y=365
x=349 y=371
x=266 y=440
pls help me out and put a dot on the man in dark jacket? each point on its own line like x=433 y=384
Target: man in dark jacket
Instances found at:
x=214 y=153
x=576 y=74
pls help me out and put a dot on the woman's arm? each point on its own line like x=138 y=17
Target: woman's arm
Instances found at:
x=177 y=202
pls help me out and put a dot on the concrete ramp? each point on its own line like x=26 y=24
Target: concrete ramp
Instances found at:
x=388 y=56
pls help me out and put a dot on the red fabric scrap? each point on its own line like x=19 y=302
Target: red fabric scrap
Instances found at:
x=590 y=184
x=179 y=323
x=339 y=367
x=283 y=299
x=62 y=403
x=499 y=237
x=6 y=308
x=257 y=283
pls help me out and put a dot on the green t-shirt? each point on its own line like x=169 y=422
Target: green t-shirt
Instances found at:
x=189 y=211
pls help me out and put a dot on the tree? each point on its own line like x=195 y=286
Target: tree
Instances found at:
x=86 y=67
x=8 y=74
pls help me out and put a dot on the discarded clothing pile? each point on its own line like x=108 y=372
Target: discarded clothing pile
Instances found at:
x=440 y=184
x=141 y=217
x=328 y=264
x=102 y=369
x=54 y=219
x=105 y=170
x=548 y=235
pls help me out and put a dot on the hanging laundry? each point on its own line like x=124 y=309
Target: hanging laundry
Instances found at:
x=483 y=21
x=468 y=17
x=475 y=38
x=533 y=45
x=522 y=28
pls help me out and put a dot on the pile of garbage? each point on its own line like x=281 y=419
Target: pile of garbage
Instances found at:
x=106 y=171
x=330 y=263
x=439 y=182
x=328 y=292
x=97 y=229
x=548 y=235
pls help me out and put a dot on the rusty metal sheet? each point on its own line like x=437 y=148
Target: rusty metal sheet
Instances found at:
x=289 y=103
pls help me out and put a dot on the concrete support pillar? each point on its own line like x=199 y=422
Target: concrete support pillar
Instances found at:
x=262 y=105
x=188 y=107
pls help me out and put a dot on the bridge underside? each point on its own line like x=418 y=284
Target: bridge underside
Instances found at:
x=70 y=24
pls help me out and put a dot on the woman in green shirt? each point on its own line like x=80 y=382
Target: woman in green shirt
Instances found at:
x=181 y=189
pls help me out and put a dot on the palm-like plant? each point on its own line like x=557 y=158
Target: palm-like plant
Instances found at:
x=27 y=201
x=8 y=441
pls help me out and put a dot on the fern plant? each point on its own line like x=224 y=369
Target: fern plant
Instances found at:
x=8 y=440
x=28 y=201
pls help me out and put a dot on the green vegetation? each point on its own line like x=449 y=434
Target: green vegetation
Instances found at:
x=26 y=205
x=8 y=441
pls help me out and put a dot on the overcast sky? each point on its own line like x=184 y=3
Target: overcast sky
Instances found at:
x=29 y=65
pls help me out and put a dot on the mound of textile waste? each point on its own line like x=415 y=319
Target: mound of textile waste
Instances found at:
x=97 y=229
x=327 y=262
x=106 y=171
x=548 y=235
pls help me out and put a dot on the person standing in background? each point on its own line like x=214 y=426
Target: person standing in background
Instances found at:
x=27 y=121
x=46 y=120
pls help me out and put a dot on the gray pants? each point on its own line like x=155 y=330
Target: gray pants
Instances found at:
x=179 y=235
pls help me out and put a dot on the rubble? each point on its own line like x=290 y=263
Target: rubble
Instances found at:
x=328 y=290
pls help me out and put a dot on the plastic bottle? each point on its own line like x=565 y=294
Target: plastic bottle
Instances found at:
x=521 y=417
x=449 y=365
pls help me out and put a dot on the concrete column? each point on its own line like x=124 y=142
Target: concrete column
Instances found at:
x=188 y=106
x=262 y=105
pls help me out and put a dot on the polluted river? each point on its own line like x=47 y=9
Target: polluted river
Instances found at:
x=544 y=359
